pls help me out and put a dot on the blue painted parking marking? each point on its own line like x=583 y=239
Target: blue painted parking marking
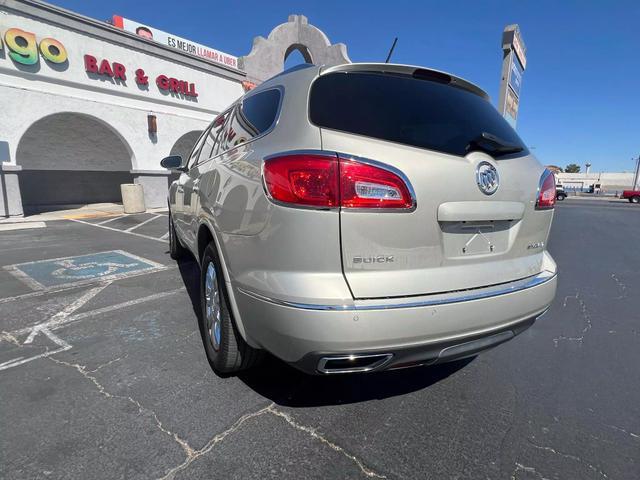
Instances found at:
x=81 y=269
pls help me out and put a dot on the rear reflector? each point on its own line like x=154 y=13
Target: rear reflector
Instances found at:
x=546 y=191
x=325 y=181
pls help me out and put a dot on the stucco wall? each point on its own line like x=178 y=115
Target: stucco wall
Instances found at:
x=103 y=119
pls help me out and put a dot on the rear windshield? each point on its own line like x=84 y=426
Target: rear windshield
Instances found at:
x=403 y=109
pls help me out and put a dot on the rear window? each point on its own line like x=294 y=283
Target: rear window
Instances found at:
x=403 y=109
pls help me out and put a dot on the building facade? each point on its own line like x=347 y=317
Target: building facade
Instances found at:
x=87 y=106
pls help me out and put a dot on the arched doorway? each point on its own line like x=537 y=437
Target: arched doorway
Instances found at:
x=71 y=159
x=183 y=147
x=185 y=143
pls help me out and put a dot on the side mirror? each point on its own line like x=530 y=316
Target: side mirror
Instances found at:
x=172 y=162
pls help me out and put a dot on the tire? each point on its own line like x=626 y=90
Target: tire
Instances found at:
x=176 y=250
x=561 y=197
x=635 y=199
x=226 y=350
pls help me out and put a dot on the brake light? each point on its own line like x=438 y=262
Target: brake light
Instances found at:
x=546 y=191
x=325 y=181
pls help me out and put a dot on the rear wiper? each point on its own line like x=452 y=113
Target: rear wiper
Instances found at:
x=491 y=144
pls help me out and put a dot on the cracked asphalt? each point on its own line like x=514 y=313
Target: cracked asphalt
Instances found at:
x=114 y=382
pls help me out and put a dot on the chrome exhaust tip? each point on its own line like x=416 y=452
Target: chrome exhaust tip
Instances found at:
x=353 y=363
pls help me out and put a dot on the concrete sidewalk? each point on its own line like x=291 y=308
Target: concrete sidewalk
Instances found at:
x=94 y=210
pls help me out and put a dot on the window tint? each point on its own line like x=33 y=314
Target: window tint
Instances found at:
x=403 y=109
x=258 y=112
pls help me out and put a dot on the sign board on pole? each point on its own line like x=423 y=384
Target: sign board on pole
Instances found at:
x=514 y=62
x=173 y=41
x=515 y=75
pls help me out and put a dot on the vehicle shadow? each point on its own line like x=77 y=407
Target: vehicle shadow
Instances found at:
x=287 y=386
x=190 y=273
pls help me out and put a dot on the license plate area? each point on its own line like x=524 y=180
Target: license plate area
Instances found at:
x=473 y=238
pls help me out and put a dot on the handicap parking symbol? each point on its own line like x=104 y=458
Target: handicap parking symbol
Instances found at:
x=81 y=269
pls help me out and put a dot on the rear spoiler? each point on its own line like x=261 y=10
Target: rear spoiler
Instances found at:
x=410 y=70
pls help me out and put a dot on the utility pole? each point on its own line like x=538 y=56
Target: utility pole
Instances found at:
x=636 y=177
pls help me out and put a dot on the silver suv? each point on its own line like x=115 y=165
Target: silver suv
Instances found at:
x=360 y=218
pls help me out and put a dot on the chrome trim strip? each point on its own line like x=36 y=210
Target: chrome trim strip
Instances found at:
x=439 y=299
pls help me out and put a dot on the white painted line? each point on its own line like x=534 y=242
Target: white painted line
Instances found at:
x=66 y=317
x=118 y=306
x=63 y=314
x=64 y=346
x=148 y=237
x=143 y=223
x=21 y=226
x=165 y=236
x=110 y=220
x=55 y=324
x=24 y=278
x=57 y=319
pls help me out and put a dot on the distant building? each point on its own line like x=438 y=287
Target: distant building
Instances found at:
x=609 y=182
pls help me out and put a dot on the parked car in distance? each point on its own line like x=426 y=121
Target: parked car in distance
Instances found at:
x=561 y=194
x=362 y=217
x=632 y=195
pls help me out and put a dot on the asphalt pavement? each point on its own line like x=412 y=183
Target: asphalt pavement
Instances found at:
x=103 y=374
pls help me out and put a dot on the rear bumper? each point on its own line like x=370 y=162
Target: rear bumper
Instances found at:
x=428 y=329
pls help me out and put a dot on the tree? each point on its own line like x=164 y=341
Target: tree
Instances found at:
x=555 y=168
x=572 y=168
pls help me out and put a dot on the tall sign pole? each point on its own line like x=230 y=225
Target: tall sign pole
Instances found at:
x=514 y=63
x=636 y=177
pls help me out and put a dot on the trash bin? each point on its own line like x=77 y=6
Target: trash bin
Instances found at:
x=132 y=198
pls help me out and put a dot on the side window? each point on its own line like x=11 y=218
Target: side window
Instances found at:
x=222 y=143
x=210 y=148
x=193 y=157
x=257 y=114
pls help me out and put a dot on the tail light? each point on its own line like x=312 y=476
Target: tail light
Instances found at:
x=325 y=181
x=303 y=180
x=546 y=191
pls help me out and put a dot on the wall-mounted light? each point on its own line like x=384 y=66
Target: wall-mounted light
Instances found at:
x=152 y=124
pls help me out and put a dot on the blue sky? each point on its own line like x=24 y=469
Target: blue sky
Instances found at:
x=581 y=90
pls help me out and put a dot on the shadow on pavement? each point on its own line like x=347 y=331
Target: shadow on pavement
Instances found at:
x=289 y=387
x=190 y=272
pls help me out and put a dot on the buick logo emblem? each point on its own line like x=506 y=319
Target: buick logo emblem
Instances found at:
x=487 y=178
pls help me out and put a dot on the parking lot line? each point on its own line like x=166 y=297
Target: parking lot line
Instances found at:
x=148 y=237
x=143 y=223
x=65 y=317
x=104 y=221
